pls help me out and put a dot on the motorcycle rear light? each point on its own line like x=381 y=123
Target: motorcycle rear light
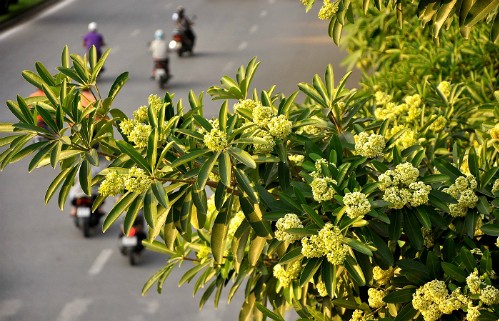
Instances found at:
x=84 y=201
x=131 y=232
x=177 y=37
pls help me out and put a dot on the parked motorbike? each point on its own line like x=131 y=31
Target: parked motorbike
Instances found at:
x=85 y=218
x=161 y=74
x=180 y=42
x=131 y=244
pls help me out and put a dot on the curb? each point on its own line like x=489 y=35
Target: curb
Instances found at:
x=28 y=14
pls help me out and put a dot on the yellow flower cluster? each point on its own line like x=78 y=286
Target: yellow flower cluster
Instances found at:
x=497 y=242
x=203 y=253
x=246 y=103
x=390 y=111
x=427 y=237
x=358 y=315
x=357 y=204
x=382 y=98
x=474 y=282
x=140 y=135
x=495 y=187
x=137 y=180
x=262 y=115
x=329 y=242
x=494 y=132
x=407 y=139
x=322 y=189
x=279 y=126
x=311 y=129
x=375 y=298
x=473 y=313
x=321 y=288
x=286 y=276
x=463 y=191
x=370 y=146
x=401 y=188
x=267 y=147
x=490 y=295
x=288 y=221
x=113 y=184
x=155 y=101
x=215 y=140
x=327 y=10
x=444 y=88
x=296 y=159
x=141 y=114
x=381 y=276
x=439 y=124
x=433 y=300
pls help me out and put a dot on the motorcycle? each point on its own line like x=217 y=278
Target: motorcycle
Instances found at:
x=180 y=42
x=161 y=75
x=85 y=218
x=131 y=244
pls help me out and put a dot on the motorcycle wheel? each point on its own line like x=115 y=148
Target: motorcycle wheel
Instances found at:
x=132 y=257
x=85 y=226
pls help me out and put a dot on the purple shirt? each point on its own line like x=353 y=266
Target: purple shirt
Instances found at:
x=93 y=39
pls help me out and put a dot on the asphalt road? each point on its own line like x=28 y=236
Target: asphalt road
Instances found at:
x=48 y=271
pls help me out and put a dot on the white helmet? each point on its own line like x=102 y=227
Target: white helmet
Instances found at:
x=159 y=34
x=92 y=26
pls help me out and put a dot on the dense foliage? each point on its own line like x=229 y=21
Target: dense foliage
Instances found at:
x=371 y=204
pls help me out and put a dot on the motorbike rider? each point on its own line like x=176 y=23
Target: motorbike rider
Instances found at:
x=183 y=23
x=94 y=38
x=159 y=50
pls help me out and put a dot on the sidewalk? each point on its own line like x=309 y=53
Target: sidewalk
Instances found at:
x=26 y=15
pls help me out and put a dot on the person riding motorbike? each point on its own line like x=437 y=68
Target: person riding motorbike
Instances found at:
x=183 y=23
x=94 y=38
x=159 y=50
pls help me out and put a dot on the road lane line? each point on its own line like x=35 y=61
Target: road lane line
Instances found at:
x=9 y=309
x=135 y=33
x=100 y=261
x=74 y=309
x=263 y=13
x=45 y=13
x=242 y=46
x=253 y=29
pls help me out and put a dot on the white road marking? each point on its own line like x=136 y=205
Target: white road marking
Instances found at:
x=228 y=66
x=9 y=308
x=242 y=46
x=135 y=32
x=263 y=13
x=45 y=13
x=100 y=261
x=74 y=309
x=253 y=29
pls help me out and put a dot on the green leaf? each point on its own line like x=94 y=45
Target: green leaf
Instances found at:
x=490 y=229
x=44 y=74
x=131 y=214
x=291 y=256
x=134 y=155
x=309 y=270
x=85 y=177
x=400 y=296
x=406 y=313
x=412 y=229
x=354 y=270
x=206 y=169
x=434 y=178
x=66 y=186
x=255 y=251
x=268 y=313
x=56 y=183
x=242 y=156
x=117 y=85
x=448 y=169
x=152 y=148
x=468 y=260
x=122 y=205
x=219 y=231
x=35 y=161
x=479 y=10
x=454 y=272
x=245 y=185
x=358 y=246
x=159 y=192
x=192 y=155
x=225 y=169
